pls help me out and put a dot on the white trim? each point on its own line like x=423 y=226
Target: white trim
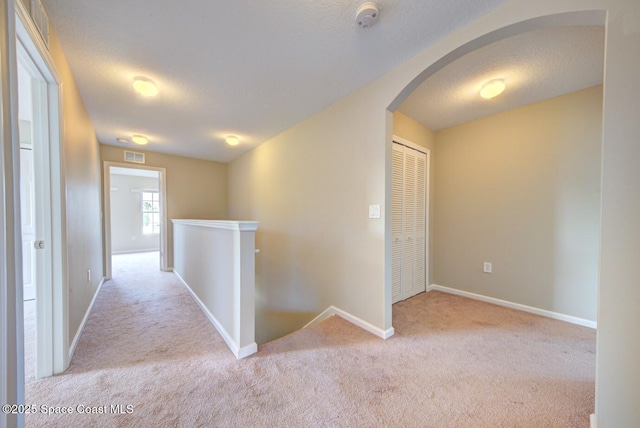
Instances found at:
x=30 y=30
x=144 y=190
x=52 y=297
x=414 y=146
x=327 y=313
x=76 y=339
x=537 y=311
x=11 y=317
x=593 y=421
x=149 y=250
x=242 y=226
x=239 y=352
x=332 y=310
x=427 y=227
x=106 y=214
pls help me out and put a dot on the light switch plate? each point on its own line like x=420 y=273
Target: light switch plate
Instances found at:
x=374 y=211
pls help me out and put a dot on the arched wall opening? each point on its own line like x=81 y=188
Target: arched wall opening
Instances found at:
x=590 y=17
x=576 y=18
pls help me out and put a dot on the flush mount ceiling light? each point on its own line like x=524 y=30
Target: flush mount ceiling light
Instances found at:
x=140 y=139
x=492 y=88
x=367 y=14
x=232 y=140
x=122 y=140
x=145 y=87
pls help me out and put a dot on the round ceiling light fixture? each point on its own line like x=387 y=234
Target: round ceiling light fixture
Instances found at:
x=367 y=14
x=492 y=88
x=122 y=140
x=145 y=87
x=232 y=140
x=140 y=140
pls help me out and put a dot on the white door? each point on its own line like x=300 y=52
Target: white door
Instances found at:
x=397 y=186
x=27 y=206
x=420 y=226
x=409 y=222
x=39 y=103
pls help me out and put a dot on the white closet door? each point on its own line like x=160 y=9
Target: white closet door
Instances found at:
x=408 y=230
x=397 y=187
x=419 y=233
x=409 y=223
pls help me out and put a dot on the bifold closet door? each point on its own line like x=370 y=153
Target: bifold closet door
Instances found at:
x=419 y=283
x=397 y=193
x=409 y=168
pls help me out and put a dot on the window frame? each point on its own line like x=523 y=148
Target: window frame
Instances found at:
x=154 y=212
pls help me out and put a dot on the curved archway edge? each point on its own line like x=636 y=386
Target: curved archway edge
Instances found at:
x=617 y=372
x=567 y=18
x=588 y=17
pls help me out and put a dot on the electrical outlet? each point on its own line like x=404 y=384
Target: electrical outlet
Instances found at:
x=88 y=275
x=374 y=211
x=487 y=267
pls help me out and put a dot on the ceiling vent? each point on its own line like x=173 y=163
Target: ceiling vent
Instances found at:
x=41 y=19
x=367 y=14
x=134 y=157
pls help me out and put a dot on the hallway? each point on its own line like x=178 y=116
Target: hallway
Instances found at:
x=149 y=357
x=144 y=324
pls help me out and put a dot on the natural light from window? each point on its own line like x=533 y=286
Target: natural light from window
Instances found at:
x=150 y=213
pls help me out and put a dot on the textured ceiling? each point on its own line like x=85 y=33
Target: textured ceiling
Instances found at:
x=535 y=66
x=244 y=67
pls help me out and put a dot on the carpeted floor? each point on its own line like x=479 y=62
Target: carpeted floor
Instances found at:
x=453 y=362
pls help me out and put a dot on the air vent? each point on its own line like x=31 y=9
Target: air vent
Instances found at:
x=41 y=19
x=134 y=157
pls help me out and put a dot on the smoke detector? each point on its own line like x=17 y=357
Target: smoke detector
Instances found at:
x=367 y=14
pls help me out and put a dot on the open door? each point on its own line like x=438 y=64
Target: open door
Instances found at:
x=42 y=199
x=28 y=215
x=152 y=210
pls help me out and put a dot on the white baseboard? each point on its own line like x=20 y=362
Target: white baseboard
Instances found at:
x=76 y=339
x=518 y=306
x=332 y=310
x=238 y=351
x=593 y=421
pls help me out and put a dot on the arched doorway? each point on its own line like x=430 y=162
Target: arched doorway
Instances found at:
x=581 y=18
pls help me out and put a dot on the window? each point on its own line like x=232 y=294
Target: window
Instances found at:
x=150 y=212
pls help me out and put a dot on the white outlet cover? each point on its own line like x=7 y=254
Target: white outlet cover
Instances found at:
x=374 y=211
x=487 y=267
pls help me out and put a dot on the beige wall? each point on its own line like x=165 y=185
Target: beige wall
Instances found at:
x=411 y=130
x=196 y=188
x=351 y=143
x=83 y=201
x=310 y=186
x=521 y=189
x=126 y=214
x=310 y=189
x=618 y=349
